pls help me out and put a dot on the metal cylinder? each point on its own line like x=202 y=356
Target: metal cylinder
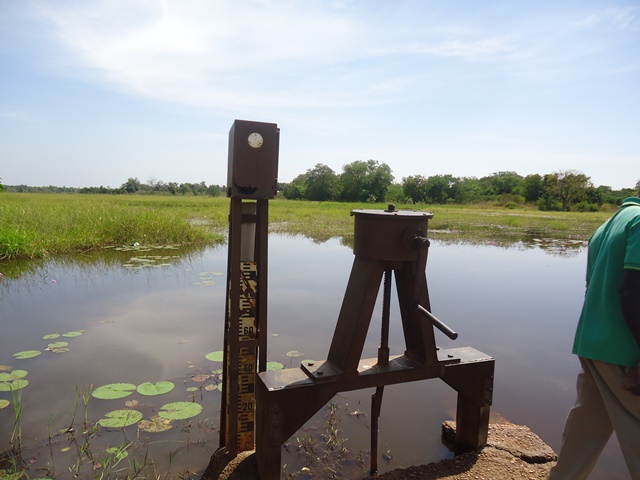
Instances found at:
x=388 y=234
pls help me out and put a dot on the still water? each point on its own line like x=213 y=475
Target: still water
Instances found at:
x=517 y=303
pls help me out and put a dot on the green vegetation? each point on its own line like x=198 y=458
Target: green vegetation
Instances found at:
x=40 y=225
x=372 y=181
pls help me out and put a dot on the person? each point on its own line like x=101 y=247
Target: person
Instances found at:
x=607 y=343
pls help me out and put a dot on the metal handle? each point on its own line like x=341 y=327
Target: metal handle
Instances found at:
x=437 y=322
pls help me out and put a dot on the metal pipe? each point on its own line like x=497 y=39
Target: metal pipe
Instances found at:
x=437 y=322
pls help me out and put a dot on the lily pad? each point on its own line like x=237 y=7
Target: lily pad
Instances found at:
x=4 y=403
x=58 y=345
x=118 y=453
x=203 y=377
x=14 y=375
x=274 y=366
x=215 y=356
x=120 y=418
x=210 y=387
x=13 y=386
x=27 y=354
x=72 y=334
x=180 y=410
x=159 y=388
x=51 y=336
x=113 y=391
x=293 y=353
x=131 y=403
x=155 y=424
x=5 y=368
x=192 y=389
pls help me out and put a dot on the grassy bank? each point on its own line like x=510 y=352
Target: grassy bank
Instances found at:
x=39 y=225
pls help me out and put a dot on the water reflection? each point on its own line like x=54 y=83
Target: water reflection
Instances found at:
x=518 y=302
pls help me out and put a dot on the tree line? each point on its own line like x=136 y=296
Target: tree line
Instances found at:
x=373 y=181
x=132 y=185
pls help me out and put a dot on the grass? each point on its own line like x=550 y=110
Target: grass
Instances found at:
x=39 y=225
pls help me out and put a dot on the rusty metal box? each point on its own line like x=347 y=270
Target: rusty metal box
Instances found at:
x=253 y=160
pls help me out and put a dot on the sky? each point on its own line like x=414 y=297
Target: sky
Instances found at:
x=94 y=92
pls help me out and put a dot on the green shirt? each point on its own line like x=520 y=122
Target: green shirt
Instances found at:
x=603 y=333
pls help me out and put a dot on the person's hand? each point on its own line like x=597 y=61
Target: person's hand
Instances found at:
x=635 y=389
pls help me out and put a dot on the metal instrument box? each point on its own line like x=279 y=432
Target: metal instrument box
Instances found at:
x=253 y=160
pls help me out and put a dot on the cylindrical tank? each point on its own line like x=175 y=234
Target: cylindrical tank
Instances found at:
x=388 y=235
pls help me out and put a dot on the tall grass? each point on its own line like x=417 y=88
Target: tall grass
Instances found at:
x=38 y=225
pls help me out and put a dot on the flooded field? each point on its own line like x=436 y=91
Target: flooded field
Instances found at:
x=149 y=319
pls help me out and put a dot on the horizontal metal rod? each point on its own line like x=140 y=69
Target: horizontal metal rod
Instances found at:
x=437 y=322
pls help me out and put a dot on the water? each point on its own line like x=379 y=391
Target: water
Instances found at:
x=517 y=303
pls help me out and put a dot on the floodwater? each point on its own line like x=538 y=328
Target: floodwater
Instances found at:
x=518 y=303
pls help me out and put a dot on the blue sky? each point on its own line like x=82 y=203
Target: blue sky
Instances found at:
x=93 y=92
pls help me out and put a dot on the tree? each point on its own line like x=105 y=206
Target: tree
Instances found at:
x=365 y=181
x=563 y=189
x=501 y=183
x=296 y=189
x=415 y=188
x=132 y=185
x=532 y=187
x=321 y=183
x=1 y=186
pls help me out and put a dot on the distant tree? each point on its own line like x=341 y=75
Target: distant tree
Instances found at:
x=638 y=187
x=468 y=190
x=132 y=185
x=395 y=194
x=415 y=188
x=532 y=187
x=1 y=186
x=321 y=183
x=296 y=189
x=501 y=183
x=563 y=189
x=365 y=181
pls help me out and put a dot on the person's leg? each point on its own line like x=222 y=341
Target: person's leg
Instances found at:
x=623 y=408
x=586 y=431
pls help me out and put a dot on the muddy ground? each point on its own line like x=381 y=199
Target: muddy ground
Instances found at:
x=512 y=452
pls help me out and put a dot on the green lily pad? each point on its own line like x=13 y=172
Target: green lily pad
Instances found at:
x=72 y=334
x=5 y=368
x=155 y=424
x=113 y=391
x=215 y=356
x=293 y=353
x=159 y=388
x=51 y=336
x=274 y=366
x=13 y=386
x=4 y=403
x=57 y=345
x=14 y=375
x=120 y=418
x=118 y=453
x=27 y=354
x=180 y=410
x=192 y=389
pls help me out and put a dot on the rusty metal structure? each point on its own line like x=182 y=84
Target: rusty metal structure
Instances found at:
x=264 y=408
x=252 y=181
x=387 y=244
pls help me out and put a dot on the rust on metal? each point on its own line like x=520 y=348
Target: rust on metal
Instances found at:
x=386 y=243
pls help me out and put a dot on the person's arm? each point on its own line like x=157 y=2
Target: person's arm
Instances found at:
x=630 y=302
